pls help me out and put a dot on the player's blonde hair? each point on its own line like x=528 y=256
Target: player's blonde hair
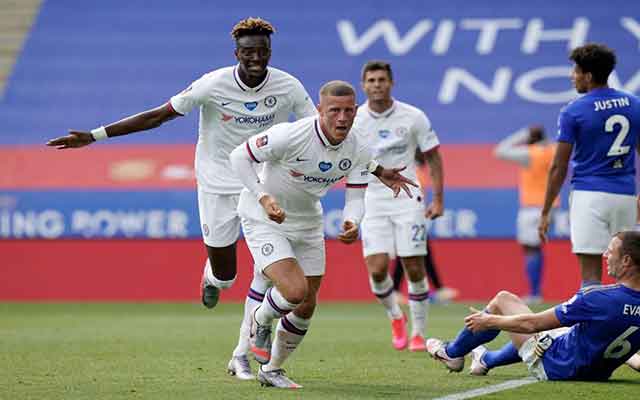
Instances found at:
x=252 y=26
x=337 y=88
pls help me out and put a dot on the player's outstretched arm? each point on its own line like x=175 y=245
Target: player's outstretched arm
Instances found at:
x=557 y=174
x=139 y=122
x=435 y=209
x=394 y=180
x=519 y=323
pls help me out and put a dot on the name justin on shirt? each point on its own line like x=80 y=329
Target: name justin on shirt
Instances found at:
x=600 y=105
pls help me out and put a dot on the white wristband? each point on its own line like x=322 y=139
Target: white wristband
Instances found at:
x=372 y=166
x=99 y=133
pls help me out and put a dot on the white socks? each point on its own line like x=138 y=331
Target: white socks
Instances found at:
x=215 y=281
x=259 y=286
x=273 y=306
x=289 y=334
x=386 y=296
x=418 y=305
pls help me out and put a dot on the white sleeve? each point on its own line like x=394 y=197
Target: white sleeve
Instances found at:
x=425 y=135
x=512 y=148
x=194 y=96
x=358 y=177
x=241 y=164
x=269 y=145
x=353 y=205
x=302 y=104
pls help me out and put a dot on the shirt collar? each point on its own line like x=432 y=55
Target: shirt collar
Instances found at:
x=323 y=137
x=385 y=114
x=246 y=88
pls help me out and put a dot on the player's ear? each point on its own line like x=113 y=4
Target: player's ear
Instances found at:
x=589 y=76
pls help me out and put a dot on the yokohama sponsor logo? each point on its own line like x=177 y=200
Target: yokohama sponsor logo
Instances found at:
x=315 y=179
x=261 y=120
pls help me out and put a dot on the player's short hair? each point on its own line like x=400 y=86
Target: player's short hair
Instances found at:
x=630 y=246
x=595 y=58
x=252 y=26
x=377 y=65
x=337 y=88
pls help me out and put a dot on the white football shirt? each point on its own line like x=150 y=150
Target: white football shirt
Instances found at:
x=300 y=166
x=393 y=136
x=231 y=112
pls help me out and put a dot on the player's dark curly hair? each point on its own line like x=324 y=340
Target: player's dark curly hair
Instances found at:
x=630 y=245
x=252 y=26
x=595 y=58
x=377 y=65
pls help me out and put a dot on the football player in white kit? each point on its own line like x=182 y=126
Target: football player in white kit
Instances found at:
x=235 y=103
x=282 y=215
x=397 y=226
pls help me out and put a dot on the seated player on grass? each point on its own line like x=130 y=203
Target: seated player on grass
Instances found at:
x=585 y=338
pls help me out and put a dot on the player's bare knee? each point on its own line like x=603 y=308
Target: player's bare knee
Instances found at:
x=295 y=293
x=497 y=304
x=504 y=296
x=379 y=276
x=415 y=271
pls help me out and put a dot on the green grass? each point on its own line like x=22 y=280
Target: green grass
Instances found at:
x=180 y=351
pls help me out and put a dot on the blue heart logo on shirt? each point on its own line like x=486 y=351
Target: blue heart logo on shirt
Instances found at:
x=251 y=105
x=324 y=166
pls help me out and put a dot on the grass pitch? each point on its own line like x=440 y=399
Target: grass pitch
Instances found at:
x=180 y=351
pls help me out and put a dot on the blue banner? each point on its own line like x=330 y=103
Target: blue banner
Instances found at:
x=174 y=214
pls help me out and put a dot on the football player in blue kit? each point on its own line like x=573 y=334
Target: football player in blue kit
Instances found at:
x=601 y=129
x=585 y=338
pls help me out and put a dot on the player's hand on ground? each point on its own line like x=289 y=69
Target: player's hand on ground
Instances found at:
x=72 y=140
x=272 y=208
x=477 y=321
x=434 y=210
x=394 y=180
x=543 y=227
x=349 y=232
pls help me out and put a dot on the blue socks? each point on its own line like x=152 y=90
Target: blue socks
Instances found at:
x=508 y=354
x=534 y=263
x=467 y=341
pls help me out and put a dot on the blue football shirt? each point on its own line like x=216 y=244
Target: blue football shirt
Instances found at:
x=605 y=332
x=603 y=126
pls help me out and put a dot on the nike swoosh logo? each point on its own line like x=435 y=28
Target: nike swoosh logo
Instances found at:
x=225 y=103
x=298 y=159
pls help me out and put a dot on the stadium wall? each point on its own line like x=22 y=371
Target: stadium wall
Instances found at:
x=169 y=270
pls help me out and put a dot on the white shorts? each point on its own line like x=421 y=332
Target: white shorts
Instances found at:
x=269 y=244
x=218 y=218
x=527 y=223
x=528 y=352
x=596 y=216
x=404 y=235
